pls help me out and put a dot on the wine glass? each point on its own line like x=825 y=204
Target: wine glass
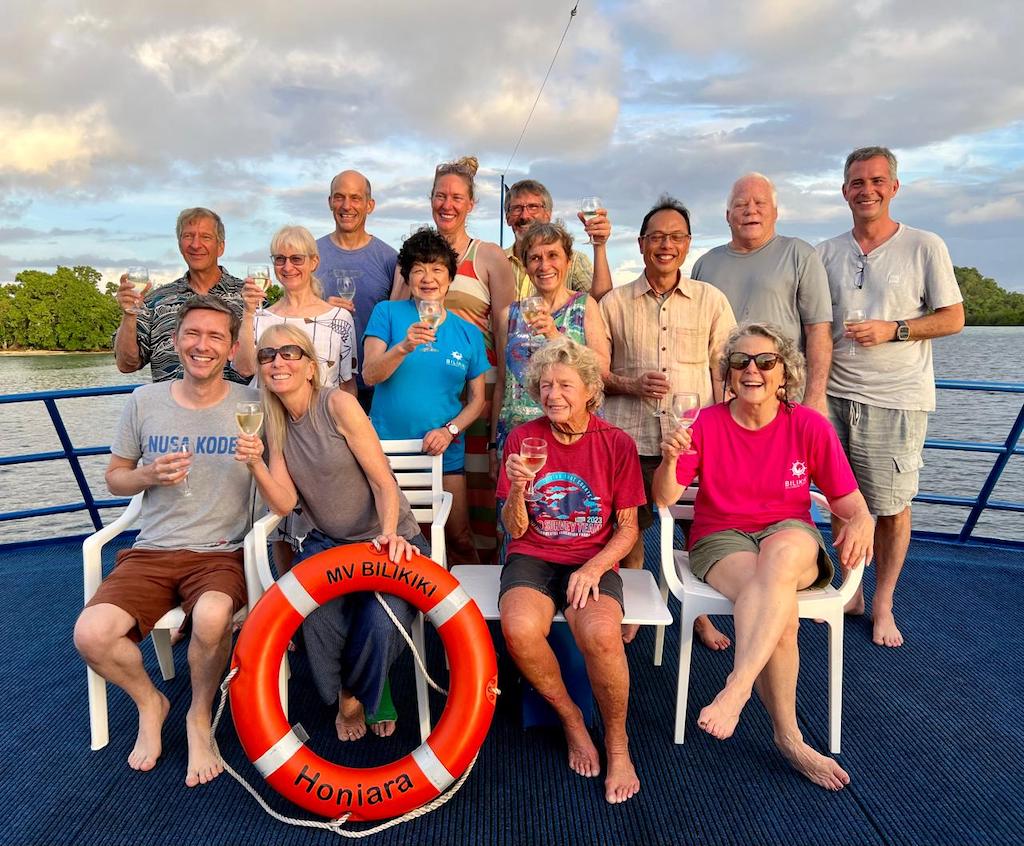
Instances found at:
x=138 y=276
x=260 y=274
x=186 y=488
x=534 y=453
x=249 y=416
x=850 y=317
x=685 y=408
x=430 y=312
x=589 y=207
x=346 y=284
x=532 y=308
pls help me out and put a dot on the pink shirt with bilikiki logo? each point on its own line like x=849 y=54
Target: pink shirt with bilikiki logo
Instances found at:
x=751 y=479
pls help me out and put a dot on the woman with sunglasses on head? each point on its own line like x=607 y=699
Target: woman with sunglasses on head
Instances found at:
x=324 y=454
x=753 y=539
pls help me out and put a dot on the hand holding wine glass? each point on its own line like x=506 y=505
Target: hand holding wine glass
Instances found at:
x=431 y=313
x=851 y=317
x=685 y=409
x=249 y=416
x=345 y=283
x=184 y=452
x=138 y=278
x=588 y=208
x=534 y=455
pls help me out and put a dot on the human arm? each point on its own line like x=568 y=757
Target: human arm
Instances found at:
x=127 y=354
x=274 y=482
x=501 y=283
x=599 y=228
x=379 y=360
x=855 y=539
x=244 y=361
x=584 y=582
x=498 y=400
x=818 y=348
x=723 y=321
x=513 y=512
x=399 y=290
x=666 y=487
x=596 y=335
x=127 y=477
x=436 y=441
x=947 y=320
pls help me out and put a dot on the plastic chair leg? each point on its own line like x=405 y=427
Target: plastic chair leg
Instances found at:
x=164 y=652
x=836 y=623
x=98 y=730
x=422 y=699
x=659 y=631
x=683 y=688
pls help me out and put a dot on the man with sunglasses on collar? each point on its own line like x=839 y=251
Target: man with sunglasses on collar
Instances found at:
x=666 y=333
x=894 y=289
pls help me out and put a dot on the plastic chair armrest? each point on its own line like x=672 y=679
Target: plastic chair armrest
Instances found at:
x=92 y=546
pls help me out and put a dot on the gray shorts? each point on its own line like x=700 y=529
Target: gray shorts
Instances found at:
x=551 y=579
x=885 y=447
x=711 y=549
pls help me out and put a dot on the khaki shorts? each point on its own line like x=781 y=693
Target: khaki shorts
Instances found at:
x=147 y=583
x=711 y=549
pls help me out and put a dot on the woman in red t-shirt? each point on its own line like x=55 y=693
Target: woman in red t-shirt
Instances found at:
x=753 y=539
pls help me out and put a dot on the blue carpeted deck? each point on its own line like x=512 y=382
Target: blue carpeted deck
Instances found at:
x=933 y=738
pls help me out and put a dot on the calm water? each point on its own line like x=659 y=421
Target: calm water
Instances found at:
x=982 y=353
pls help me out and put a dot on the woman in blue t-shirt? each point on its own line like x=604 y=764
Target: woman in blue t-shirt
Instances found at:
x=420 y=374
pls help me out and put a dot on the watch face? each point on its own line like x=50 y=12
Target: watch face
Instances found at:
x=903 y=332
x=451 y=427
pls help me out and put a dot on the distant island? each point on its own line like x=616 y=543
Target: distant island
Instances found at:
x=66 y=311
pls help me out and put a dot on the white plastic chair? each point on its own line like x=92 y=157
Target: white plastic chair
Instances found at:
x=697 y=597
x=92 y=559
x=420 y=479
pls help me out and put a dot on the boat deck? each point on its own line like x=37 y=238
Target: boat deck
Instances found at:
x=933 y=737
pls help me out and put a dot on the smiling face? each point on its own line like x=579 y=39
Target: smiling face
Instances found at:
x=429 y=280
x=663 y=257
x=199 y=244
x=349 y=202
x=282 y=376
x=203 y=343
x=294 y=277
x=564 y=397
x=525 y=208
x=869 y=189
x=546 y=265
x=750 y=385
x=751 y=214
x=450 y=203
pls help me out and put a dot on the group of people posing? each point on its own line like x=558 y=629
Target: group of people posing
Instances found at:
x=812 y=365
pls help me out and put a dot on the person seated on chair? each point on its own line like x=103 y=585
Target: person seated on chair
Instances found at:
x=325 y=454
x=568 y=532
x=753 y=539
x=175 y=441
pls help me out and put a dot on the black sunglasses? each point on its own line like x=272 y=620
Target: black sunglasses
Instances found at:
x=764 y=361
x=289 y=352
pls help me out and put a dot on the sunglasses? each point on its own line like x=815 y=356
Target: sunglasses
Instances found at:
x=764 y=361
x=297 y=261
x=289 y=352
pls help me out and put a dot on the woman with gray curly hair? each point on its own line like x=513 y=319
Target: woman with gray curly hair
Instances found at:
x=753 y=539
x=565 y=544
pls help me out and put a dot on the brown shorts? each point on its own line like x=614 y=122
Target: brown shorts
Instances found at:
x=147 y=583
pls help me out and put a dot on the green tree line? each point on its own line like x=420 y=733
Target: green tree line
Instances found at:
x=986 y=303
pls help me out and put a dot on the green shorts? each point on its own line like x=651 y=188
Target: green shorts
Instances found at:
x=711 y=549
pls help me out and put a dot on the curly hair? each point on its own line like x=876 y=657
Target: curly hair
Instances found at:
x=580 y=358
x=426 y=246
x=793 y=364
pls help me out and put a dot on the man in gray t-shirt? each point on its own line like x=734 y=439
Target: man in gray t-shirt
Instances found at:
x=769 y=278
x=176 y=443
x=893 y=290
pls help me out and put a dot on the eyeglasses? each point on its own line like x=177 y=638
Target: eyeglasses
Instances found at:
x=677 y=238
x=532 y=208
x=289 y=352
x=764 y=361
x=298 y=261
x=202 y=237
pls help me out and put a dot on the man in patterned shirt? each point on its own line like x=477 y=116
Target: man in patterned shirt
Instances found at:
x=148 y=338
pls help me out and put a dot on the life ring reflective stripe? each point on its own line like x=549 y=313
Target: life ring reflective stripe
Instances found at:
x=370 y=793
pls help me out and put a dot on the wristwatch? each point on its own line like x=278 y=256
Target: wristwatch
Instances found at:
x=453 y=430
x=902 y=331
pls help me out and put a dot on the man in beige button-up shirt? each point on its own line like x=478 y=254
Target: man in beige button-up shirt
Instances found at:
x=666 y=333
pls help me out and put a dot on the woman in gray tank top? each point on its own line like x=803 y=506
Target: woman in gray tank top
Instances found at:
x=325 y=455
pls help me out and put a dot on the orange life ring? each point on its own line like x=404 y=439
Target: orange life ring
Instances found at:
x=371 y=793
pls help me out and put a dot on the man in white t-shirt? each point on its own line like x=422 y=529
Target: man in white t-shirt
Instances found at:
x=894 y=288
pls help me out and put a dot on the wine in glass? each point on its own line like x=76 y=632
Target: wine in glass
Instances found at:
x=850 y=317
x=431 y=312
x=532 y=308
x=589 y=207
x=534 y=453
x=139 y=278
x=260 y=274
x=250 y=417
x=346 y=284
x=685 y=408
x=186 y=488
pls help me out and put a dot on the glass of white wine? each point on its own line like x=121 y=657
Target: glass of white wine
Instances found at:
x=260 y=274
x=250 y=417
x=138 y=276
x=850 y=317
x=346 y=284
x=532 y=308
x=685 y=409
x=534 y=453
x=186 y=488
x=431 y=312
x=589 y=207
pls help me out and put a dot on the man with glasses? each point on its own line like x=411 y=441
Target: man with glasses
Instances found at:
x=897 y=283
x=528 y=201
x=666 y=333
x=769 y=278
x=148 y=337
x=350 y=251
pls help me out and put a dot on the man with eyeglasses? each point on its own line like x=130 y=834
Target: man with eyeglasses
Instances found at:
x=769 y=278
x=667 y=333
x=894 y=289
x=528 y=201
x=148 y=337
x=350 y=251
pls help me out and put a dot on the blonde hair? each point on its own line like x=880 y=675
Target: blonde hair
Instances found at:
x=301 y=239
x=580 y=358
x=466 y=167
x=274 y=412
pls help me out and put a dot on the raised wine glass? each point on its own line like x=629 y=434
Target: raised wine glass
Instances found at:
x=685 y=409
x=589 y=207
x=260 y=274
x=346 y=284
x=532 y=308
x=430 y=312
x=534 y=453
x=250 y=417
x=138 y=276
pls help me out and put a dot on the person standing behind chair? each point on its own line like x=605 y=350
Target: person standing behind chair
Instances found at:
x=882 y=385
x=418 y=390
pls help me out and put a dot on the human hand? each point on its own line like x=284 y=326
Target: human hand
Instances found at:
x=855 y=541
x=653 y=385
x=126 y=297
x=252 y=295
x=817 y=402
x=170 y=469
x=248 y=448
x=396 y=544
x=543 y=323
x=677 y=440
x=516 y=470
x=436 y=441
x=584 y=583
x=870 y=333
x=598 y=227
x=341 y=302
x=419 y=333
x=492 y=460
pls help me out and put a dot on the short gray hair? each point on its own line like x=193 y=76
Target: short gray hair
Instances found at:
x=188 y=216
x=566 y=351
x=792 y=358
x=862 y=154
x=545 y=233
x=528 y=186
x=753 y=175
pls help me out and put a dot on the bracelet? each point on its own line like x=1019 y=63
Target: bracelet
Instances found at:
x=492 y=445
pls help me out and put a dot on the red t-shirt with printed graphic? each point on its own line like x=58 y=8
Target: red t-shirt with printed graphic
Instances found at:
x=751 y=479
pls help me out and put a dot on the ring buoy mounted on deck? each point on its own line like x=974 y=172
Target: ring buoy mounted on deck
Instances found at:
x=372 y=793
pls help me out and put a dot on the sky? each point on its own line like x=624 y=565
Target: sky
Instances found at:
x=113 y=118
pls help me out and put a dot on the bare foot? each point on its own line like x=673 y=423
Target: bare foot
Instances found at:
x=629 y=631
x=148 y=745
x=621 y=783
x=710 y=636
x=583 y=756
x=819 y=768
x=719 y=719
x=351 y=719
x=177 y=636
x=204 y=764
x=385 y=728
x=886 y=633
x=855 y=607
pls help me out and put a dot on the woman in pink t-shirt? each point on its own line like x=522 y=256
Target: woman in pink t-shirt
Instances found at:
x=753 y=538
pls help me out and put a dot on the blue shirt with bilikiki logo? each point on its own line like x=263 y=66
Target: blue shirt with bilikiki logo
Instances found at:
x=425 y=391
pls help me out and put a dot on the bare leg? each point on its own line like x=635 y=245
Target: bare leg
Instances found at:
x=351 y=719
x=208 y=651
x=892 y=538
x=708 y=634
x=101 y=638
x=596 y=628
x=526 y=622
x=458 y=534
